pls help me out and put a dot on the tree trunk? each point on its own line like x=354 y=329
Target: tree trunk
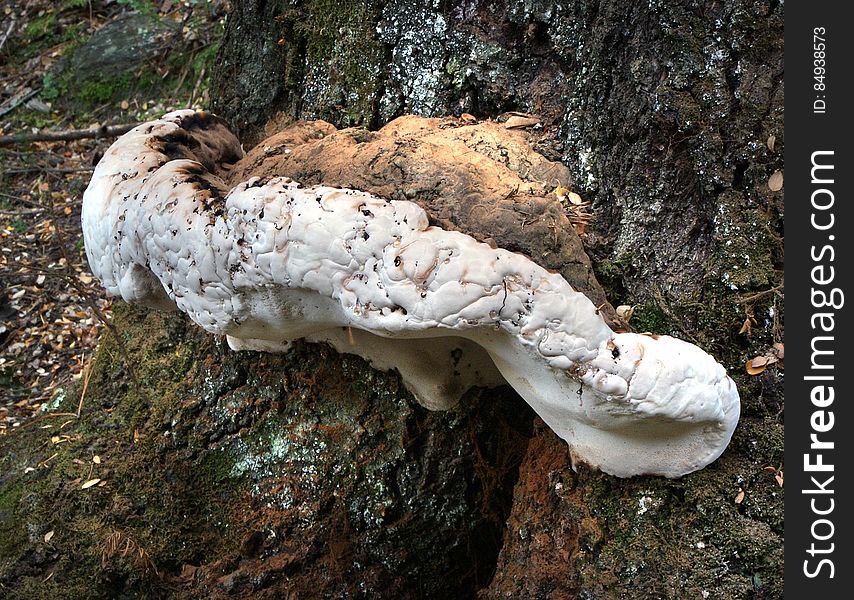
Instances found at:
x=670 y=118
x=311 y=475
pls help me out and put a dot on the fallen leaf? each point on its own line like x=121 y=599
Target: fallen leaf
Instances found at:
x=67 y=210
x=759 y=361
x=90 y=483
x=574 y=198
x=746 y=327
x=775 y=182
x=772 y=139
x=48 y=535
x=739 y=497
x=754 y=370
x=125 y=105
x=779 y=478
x=84 y=278
x=96 y=459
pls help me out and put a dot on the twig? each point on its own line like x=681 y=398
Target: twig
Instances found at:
x=23 y=200
x=72 y=281
x=87 y=372
x=43 y=169
x=16 y=101
x=68 y=135
x=763 y=293
x=47 y=460
x=22 y=211
x=41 y=418
x=6 y=35
x=183 y=75
x=196 y=88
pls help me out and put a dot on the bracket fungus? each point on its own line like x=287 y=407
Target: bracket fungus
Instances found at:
x=268 y=261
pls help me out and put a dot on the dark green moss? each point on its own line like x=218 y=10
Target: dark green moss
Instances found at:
x=650 y=318
x=101 y=90
x=341 y=36
x=38 y=27
x=13 y=532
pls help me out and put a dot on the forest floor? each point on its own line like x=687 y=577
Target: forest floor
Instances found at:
x=51 y=308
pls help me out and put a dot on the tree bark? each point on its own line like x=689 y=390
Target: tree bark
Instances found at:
x=670 y=118
x=311 y=475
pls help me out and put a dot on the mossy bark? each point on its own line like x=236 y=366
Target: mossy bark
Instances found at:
x=255 y=476
x=670 y=117
x=243 y=475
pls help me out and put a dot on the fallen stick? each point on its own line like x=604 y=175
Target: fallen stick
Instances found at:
x=6 y=35
x=16 y=101
x=68 y=135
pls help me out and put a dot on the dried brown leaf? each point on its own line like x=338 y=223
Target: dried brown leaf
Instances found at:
x=574 y=198
x=775 y=182
x=759 y=361
x=754 y=370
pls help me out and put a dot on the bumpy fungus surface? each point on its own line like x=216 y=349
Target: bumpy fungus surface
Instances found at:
x=268 y=262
